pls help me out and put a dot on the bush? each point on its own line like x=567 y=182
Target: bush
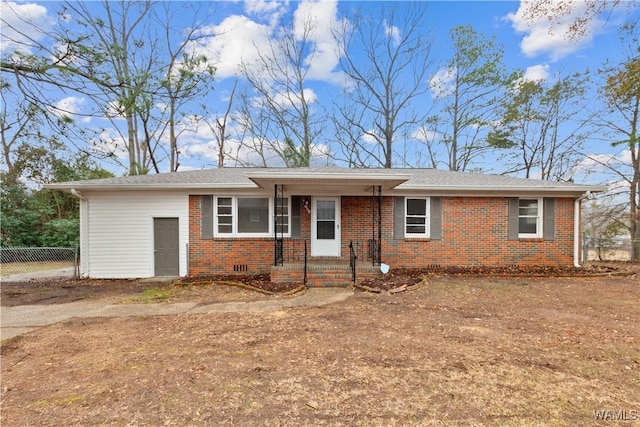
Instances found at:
x=61 y=233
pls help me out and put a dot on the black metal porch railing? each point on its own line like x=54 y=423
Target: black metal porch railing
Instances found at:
x=290 y=250
x=278 y=257
x=352 y=261
x=369 y=250
x=375 y=251
x=304 y=278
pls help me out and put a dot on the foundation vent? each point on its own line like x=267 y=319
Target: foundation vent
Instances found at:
x=240 y=268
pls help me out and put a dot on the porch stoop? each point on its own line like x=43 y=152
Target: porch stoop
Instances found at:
x=322 y=273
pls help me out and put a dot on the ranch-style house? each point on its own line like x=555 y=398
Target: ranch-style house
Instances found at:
x=323 y=225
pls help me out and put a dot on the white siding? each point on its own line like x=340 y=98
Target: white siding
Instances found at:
x=119 y=233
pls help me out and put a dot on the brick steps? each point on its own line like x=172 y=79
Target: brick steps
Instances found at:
x=323 y=274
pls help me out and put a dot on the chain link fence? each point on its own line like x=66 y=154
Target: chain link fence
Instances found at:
x=30 y=263
x=607 y=249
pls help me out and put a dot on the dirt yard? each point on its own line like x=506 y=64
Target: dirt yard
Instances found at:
x=458 y=350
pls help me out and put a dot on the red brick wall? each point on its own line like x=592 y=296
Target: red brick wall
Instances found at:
x=474 y=232
x=224 y=256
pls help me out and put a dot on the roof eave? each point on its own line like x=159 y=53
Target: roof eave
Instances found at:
x=509 y=189
x=158 y=186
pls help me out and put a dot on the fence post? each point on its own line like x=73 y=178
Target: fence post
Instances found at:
x=76 y=264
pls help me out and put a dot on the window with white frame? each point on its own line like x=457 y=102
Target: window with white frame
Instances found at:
x=417 y=217
x=282 y=216
x=250 y=216
x=224 y=215
x=530 y=218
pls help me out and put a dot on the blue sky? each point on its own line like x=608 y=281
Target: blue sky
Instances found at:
x=528 y=45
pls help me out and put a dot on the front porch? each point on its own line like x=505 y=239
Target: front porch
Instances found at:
x=294 y=264
x=323 y=273
x=327 y=229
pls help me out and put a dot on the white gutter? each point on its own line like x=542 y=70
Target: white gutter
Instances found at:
x=576 y=228
x=77 y=194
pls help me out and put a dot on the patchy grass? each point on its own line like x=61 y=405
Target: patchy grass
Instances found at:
x=152 y=295
x=8 y=269
x=457 y=351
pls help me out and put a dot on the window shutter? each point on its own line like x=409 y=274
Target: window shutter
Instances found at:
x=514 y=223
x=398 y=218
x=549 y=219
x=295 y=217
x=207 y=217
x=436 y=218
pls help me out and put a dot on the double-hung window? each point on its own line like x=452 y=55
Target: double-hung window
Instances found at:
x=529 y=218
x=282 y=216
x=249 y=216
x=417 y=217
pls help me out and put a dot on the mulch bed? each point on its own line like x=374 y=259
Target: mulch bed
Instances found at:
x=401 y=279
x=258 y=282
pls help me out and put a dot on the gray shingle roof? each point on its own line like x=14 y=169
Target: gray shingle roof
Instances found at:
x=232 y=178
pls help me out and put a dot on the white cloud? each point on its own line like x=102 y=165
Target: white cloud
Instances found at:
x=370 y=137
x=109 y=142
x=234 y=40
x=392 y=32
x=71 y=106
x=545 y=36
x=20 y=23
x=321 y=18
x=605 y=167
x=241 y=154
x=424 y=135
x=606 y=160
x=288 y=100
x=441 y=83
x=240 y=40
x=270 y=11
x=537 y=73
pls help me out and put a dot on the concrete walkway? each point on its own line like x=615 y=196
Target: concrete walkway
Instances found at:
x=25 y=318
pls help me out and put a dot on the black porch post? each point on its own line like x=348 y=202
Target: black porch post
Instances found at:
x=275 y=222
x=379 y=224
x=278 y=242
x=375 y=250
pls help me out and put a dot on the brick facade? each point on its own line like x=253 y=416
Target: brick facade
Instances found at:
x=474 y=233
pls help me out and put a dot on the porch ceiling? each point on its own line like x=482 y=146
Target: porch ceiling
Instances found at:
x=329 y=182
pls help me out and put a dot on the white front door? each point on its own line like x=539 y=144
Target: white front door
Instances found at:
x=325 y=226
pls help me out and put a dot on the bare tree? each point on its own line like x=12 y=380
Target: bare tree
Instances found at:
x=278 y=78
x=187 y=74
x=621 y=123
x=386 y=59
x=121 y=50
x=219 y=128
x=111 y=53
x=577 y=14
x=538 y=127
x=254 y=147
x=18 y=125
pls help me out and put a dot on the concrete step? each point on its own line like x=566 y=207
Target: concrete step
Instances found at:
x=323 y=274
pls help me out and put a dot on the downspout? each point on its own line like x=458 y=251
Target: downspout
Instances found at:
x=85 y=253
x=576 y=228
x=77 y=194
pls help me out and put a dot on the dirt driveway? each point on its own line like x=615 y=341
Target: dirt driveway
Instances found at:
x=456 y=351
